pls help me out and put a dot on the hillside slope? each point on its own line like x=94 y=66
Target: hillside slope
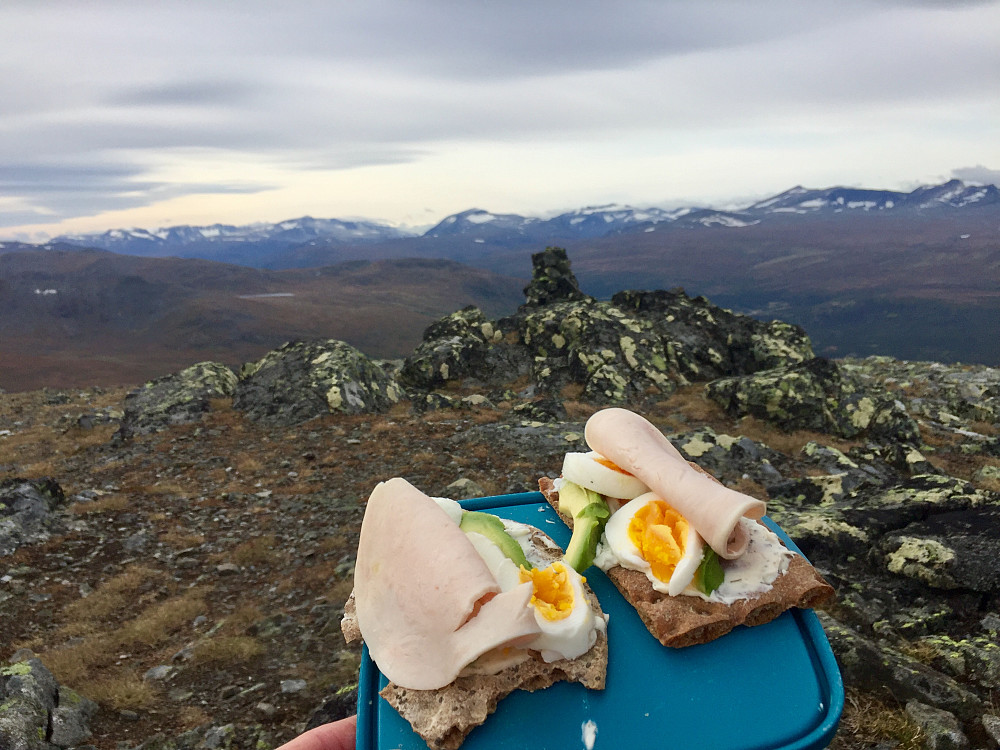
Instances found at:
x=95 y=318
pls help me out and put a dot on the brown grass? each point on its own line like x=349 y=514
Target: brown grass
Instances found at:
x=241 y=619
x=89 y=650
x=181 y=538
x=164 y=488
x=867 y=717
x=256 y=551
x=112 y=596
x=101 y=505
x=787 y=442
x=220 y=404
x=158 y=621
x=120 y=690
x=226 y=649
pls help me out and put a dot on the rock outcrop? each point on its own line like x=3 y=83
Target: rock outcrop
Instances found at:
x=176 y=399
x=36 y=713
x=306 y=379
x=28 y=512
x=636 y=347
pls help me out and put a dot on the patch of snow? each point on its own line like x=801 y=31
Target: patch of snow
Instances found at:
x=814 y=203
x=480 y=218
x=727 y=221
x=479 y=241
x=862 y=204
x=964 y=236
x=46 y=292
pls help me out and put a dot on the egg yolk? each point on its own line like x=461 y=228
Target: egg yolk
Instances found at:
x=659 y=533
x=611 y=465
x=552 y=592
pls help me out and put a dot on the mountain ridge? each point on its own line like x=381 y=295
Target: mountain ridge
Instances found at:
x=261 y=244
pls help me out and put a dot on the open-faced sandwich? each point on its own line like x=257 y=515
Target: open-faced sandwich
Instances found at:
x=460 y=608
x=689 y=554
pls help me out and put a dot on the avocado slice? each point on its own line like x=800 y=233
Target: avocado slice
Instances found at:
x=590 y=513
x=492 y=528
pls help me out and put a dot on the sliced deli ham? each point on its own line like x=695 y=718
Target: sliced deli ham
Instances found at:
x=638 y=447
x=427 y=604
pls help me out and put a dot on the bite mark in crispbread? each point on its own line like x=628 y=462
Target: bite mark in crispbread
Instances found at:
x=679 y=621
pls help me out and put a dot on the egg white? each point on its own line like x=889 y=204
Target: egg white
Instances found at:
x=585 y=470
x=573 y=635
x=567 y=638
x=619 y=549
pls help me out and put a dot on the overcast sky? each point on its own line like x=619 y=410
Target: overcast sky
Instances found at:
x=150 y=114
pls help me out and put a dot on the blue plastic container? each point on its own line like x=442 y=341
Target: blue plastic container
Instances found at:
x=772 y=686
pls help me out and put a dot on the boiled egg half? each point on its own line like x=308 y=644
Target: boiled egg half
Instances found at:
x=595 y=472
x=648 y=535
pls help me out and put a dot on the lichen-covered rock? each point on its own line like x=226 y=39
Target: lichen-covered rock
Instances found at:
x=844 y=476
x=213 y=737
x=815 y=395
x=727 y=457
x=881 y=669
x=708 y=342
x=179 y=398
x=638 y=346
x=941 y=730
x=27 y=511
x=951 y=395
x=36 y=713
x=540 y=410
x=453 y=347
x=976 y=658
x=552 y=280
x=306 y=379
x=596 y=345
x=956 y=549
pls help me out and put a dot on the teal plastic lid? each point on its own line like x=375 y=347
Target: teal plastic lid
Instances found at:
x=771 y=686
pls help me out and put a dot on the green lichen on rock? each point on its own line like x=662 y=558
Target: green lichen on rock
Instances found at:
x=302 y=380
x=815 y=394
x=926 y=560
x=21 y=668
x=180 y=398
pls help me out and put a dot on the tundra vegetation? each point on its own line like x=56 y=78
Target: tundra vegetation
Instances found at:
x=174 y=560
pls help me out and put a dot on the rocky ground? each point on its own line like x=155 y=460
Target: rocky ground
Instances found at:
x=174 y=559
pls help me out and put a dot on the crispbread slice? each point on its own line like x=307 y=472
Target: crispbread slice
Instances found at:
x=679 y=621
x=444 y=717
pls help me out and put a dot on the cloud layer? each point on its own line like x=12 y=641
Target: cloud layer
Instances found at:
x=111 y=106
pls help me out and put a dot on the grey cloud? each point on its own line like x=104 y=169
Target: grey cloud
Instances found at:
x=978 y=173
x=184 y=93
x=114 y=87
x=51 y=193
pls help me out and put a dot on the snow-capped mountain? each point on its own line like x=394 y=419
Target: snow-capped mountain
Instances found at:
x=592 y=221
x=466 y=235
x=177 y=240
x=478 y=221
x=800 y=200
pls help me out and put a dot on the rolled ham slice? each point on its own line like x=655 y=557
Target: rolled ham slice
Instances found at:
x=638 y=447
x=427 y=605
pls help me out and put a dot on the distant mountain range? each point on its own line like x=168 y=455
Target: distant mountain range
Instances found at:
x=913 y=275
x=307 y=241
